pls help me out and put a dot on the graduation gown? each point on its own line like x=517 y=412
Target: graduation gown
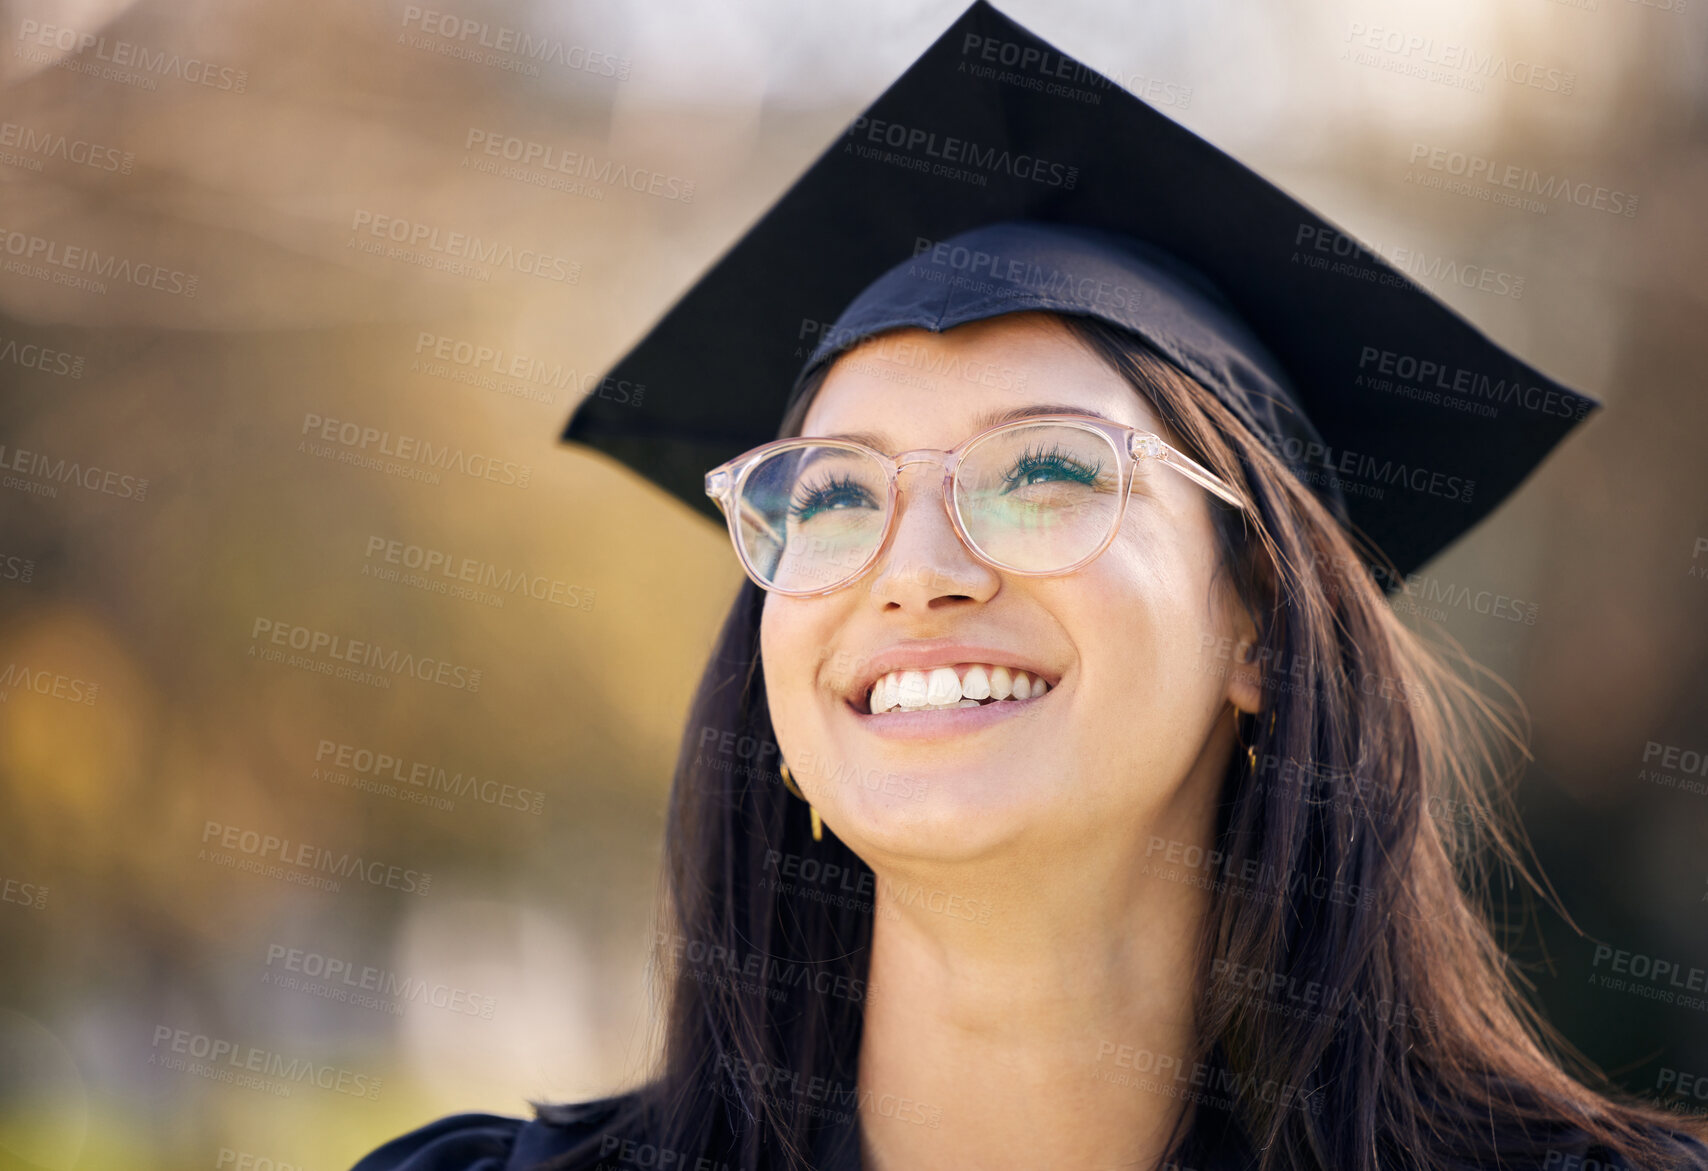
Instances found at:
x=494 y=1142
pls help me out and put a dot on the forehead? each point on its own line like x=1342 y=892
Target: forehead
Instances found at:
x=912 y=388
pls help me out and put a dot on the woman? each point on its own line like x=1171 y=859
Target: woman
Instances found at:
x=1099 y=817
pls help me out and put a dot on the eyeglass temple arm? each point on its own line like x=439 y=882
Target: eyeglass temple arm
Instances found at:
x=750 y=514
x=1198 y=474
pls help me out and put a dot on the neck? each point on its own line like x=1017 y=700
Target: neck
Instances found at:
x=1026 y=1016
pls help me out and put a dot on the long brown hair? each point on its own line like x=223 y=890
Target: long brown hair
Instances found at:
x=1334 y=868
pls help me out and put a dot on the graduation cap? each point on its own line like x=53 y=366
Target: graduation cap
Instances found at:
x=998 y=174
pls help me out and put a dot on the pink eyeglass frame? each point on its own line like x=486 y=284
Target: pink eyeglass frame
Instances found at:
x=724 y=484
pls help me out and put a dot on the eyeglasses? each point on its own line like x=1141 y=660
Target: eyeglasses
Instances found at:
x=1036 y=497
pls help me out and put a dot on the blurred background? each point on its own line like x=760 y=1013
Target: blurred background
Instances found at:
x=340 y=701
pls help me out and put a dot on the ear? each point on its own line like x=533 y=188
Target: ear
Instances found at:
x=1245 y=674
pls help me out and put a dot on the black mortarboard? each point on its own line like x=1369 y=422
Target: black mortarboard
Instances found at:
x=998 y=174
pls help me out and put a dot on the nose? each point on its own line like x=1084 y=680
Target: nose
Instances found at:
x=925 y=565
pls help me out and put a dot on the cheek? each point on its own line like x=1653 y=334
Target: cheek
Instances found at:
x=775 y=639
x=1148 y=618
x=788 y=636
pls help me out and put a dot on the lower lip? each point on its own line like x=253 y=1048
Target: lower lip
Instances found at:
x=952 y=721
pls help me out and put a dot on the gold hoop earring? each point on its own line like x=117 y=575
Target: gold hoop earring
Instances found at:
x=1250 y=749
x=789 y=783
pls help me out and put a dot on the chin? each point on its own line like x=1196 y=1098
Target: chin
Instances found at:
x=947 y=807
x=942 y=784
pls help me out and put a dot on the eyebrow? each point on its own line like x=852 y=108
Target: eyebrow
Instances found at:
x=981 y=422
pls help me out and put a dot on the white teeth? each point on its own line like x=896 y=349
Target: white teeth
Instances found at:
x=941 y=688
x=944 y=687
x=976 y=684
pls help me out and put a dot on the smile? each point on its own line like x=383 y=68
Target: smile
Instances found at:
x=940 y=688
x=965 y=716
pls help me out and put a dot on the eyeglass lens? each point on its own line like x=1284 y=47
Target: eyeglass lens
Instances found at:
x=1038 y=498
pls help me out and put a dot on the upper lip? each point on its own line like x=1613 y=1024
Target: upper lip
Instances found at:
x=938 y=652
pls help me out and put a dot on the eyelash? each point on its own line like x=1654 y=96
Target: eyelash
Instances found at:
x=1028 y=462
x=816 y=495
x=1053 y=460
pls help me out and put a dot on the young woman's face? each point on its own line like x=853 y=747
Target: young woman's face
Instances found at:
x=1134 y=730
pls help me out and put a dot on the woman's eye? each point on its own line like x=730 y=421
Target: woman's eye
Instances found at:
x=1044 y=468
x=836 y=494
